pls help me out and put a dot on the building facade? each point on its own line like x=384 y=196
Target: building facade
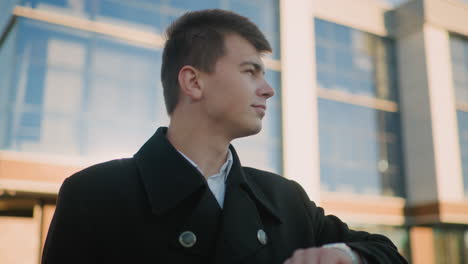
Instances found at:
x=370 y=113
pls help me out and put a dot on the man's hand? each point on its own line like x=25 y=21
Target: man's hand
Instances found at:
x=319 y=255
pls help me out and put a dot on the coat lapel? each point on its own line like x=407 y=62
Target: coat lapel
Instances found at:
x=241 y=218
x=167 y=176
x=176 y=189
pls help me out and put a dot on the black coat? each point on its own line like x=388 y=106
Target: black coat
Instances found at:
x=133 y=211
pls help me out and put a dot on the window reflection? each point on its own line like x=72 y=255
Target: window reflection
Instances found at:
x=76 y=93
x=65 y=102
x=359 y=146
x=360 y=62
x=395 y=3
x=196 y=5
x=359 y=150
x=155 y=16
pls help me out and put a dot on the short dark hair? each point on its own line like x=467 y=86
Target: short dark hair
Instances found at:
x=197 y=39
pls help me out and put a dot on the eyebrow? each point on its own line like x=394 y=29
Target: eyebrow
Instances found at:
x=257 y=66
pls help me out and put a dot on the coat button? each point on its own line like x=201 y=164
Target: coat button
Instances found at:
x=262 y=237
x=187 y=239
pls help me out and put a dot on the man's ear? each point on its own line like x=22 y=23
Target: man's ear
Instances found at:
x=189 y=82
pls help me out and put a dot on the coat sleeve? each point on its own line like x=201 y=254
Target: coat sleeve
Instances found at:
x=68 y=239
x=374 y=248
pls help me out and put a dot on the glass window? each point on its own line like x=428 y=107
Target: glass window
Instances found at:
x=6 y=13
x=145 y=15
x=324 y=57
x=361 y=62
x=7 y=59
x=359 y=150
x=459 y=55
x=141 y=14
x=463 y=136
x=451 y=244
x=69 y=90
x=397 y=2
x=155 y=16
x=82 y=8
x=195 y=5
x=323 y=30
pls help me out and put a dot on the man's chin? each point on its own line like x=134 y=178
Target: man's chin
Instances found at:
x=249 y=131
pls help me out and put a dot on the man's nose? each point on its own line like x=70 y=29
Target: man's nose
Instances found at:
x=266 y=90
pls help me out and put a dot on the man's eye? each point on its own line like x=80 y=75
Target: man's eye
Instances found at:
x=250 y=72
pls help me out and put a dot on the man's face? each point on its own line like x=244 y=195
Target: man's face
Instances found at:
x=236 y=92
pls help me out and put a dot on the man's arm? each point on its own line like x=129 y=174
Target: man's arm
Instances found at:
x=68 y=239
x=371 y=248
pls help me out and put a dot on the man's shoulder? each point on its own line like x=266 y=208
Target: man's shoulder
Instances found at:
x=262 y=174
x=108 y=172
x=266 y=179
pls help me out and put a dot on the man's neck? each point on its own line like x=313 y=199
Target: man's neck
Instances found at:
x=206 y=148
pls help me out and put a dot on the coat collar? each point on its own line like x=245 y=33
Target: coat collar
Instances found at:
x=167 y=176
x=169 y=180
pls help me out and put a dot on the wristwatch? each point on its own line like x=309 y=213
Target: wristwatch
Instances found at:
x=344 y=248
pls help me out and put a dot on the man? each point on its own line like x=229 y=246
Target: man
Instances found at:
x=184 y=197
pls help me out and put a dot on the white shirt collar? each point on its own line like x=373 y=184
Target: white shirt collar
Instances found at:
x=224 y=170
x=216 y=182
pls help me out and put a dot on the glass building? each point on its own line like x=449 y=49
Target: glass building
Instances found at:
x=66 y=94
x=370 y=113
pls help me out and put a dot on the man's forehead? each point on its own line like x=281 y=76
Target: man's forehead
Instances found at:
x=240 y=48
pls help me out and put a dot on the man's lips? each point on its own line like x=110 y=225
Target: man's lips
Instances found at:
x=260 y=106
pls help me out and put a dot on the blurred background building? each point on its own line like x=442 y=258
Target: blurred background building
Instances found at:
x=370 y=113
